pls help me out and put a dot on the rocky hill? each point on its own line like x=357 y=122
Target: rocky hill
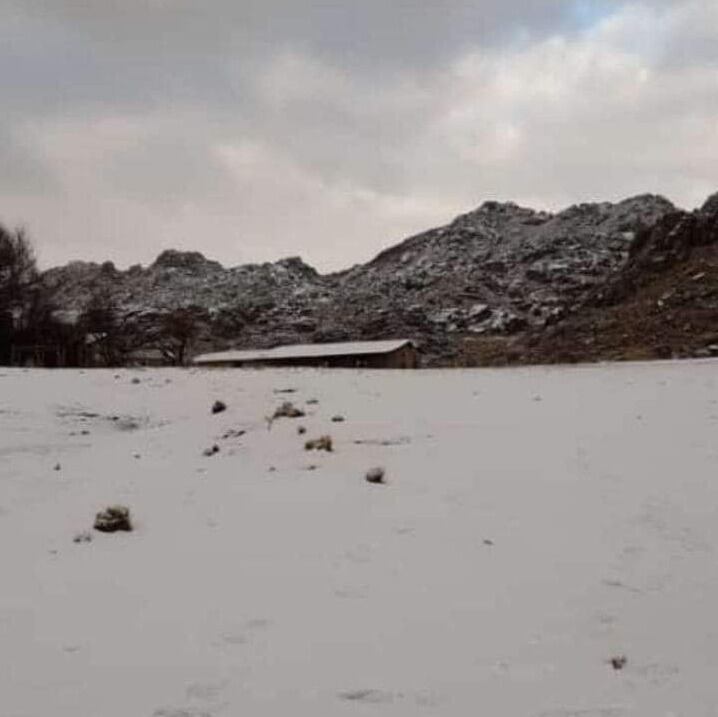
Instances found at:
x=499 y=269
x=501 y=280
x=661 y=303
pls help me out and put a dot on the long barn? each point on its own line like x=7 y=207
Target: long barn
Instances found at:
x=398 y=353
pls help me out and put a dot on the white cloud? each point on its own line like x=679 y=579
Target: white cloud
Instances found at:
x=598 y=115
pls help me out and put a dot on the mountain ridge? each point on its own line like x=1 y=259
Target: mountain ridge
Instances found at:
x=500 y=269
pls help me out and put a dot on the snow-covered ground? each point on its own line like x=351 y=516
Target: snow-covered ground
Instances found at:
x=534 y=524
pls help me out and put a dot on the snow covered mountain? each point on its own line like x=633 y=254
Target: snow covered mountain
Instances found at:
x=500 y=270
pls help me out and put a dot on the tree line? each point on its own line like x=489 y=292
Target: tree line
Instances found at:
x=32 y=327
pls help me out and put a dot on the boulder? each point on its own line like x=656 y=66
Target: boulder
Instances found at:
x=375 y=475
x=323 y=443
x=113 y=518
x=219 y=407
x=288 y=410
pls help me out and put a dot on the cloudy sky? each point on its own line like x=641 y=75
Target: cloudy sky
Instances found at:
x=256 y=129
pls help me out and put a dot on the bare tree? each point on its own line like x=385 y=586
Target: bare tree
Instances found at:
x=100 y=322
x=18 y=280
x=178 y=330
x=114 y=332
x=18 y=270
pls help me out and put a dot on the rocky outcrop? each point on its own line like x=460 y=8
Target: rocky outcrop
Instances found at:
x=192 y=261
x=499 y=269
x=662 y=303
x=674 y=237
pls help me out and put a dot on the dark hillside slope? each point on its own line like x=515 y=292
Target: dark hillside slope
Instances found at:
x=662 y=304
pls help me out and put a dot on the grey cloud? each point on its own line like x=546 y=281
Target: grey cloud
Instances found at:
x=165 y=170
x=403 y=29
x=22 y=169
x=139 y=52
x=252 y=129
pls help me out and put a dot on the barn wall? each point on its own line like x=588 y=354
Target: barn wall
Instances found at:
x=405 y=357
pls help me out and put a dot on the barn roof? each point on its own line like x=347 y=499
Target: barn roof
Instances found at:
x=302 y=351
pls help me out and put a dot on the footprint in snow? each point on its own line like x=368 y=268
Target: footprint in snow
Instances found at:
x=374 y=697
x=352 y=593
x=242 y=635
x=382 y=697
x=204 y=691
x=585 y=712
x=259 y=623
x=360 y=554
x=234 y=638
x=656 y=674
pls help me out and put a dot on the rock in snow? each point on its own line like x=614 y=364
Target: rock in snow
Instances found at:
x=323 y=443
x=112 y=519
x=375 y=475
x=219 y=407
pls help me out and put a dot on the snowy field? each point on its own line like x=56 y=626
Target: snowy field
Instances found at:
x=534 y=524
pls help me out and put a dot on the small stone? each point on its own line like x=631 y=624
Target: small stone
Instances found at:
x=488 y=542
x=126 y=423
x=233 y=433
x=375 y=475
x=57 y=467
x=312 y=402
x=219 y=407
x=113 y=519
x=301 y=430
x=288 y=410
x=338 y=419
x=213 y=450
x=135 y=380
x=85 y=537
x=324 y=443
x=619 y=662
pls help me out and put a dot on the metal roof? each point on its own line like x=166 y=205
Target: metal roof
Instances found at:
x=300 y=351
